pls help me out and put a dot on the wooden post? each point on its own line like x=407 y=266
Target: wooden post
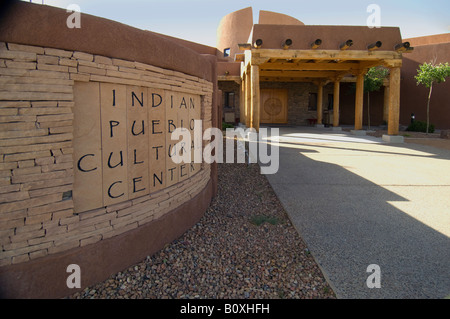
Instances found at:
x=394 y=101
x=255 y=96
x=242 y=111
x=248 y=107
x=336 y=103
x=359 y=101
x=386 y=104
x=320 y=103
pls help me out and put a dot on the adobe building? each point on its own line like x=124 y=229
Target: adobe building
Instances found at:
x=302 y=75
x=435 y=49
x=86 y=175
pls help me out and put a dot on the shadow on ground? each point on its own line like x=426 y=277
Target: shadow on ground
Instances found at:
x=349 y=222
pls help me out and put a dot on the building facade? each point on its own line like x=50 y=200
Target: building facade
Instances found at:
x=308 y=74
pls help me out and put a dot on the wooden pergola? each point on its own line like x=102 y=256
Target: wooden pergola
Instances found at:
x=320 y=67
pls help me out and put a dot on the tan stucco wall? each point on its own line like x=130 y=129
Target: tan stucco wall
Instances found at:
x=269 y=17
x=414 y=97
x=233 y=29
x=431 y=39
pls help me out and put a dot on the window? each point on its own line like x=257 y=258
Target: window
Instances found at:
x=330 y=101
x=226 y=52
x=312 y=105
x=229 y=100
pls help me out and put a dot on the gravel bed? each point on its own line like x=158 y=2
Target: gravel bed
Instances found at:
x=244 y=247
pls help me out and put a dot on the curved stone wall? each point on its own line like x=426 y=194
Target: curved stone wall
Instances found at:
x=236 y=28
x=86 y=175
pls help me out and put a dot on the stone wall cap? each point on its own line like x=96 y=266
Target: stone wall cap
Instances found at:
x=46 y=26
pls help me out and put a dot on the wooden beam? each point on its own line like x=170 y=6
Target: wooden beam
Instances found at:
x=278 y=79
x=394 y=101
x=258 y=43
x=374 y=46
x=316 y=44
x=244 y=46
x=402 y=47
x=299 y=74
x=409 y=50
x=347 y=44
x=392 y=63
x=311 y=66
x=286 y=44
x=239 y=57
x=263 y=55
x=324 y=61
x=233 y=78
x=349 y=79
x=369 y=64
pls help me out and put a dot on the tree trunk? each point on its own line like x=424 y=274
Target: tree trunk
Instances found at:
x=428 y=108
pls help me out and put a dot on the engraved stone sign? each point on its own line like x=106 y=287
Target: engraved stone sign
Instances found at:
x=122 y=141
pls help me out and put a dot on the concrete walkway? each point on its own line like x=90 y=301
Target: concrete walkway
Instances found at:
x=357 y=201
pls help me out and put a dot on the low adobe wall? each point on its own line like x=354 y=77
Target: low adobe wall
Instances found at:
x=86 y=175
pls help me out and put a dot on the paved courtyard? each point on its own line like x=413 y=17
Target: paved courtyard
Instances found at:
x=357 y=201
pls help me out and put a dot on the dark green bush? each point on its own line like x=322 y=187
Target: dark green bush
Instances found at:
x=226 y=125
x=419 y=126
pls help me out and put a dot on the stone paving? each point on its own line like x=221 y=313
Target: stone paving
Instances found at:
x=358 y=201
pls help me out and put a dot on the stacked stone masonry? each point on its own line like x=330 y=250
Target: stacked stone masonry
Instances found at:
x=37 y=218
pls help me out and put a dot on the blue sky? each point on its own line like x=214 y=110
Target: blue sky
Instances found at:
x=197 y=20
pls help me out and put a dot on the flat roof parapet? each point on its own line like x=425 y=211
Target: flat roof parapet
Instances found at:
x=331 y=36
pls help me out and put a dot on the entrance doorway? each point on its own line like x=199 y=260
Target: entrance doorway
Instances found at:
x=274 y=106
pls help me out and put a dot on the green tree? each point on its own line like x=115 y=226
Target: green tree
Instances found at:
x=427 y=75
x=373 y=81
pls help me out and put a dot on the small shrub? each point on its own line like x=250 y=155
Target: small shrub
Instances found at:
x=419 y=126
x=261 y=219
x=226 y=125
